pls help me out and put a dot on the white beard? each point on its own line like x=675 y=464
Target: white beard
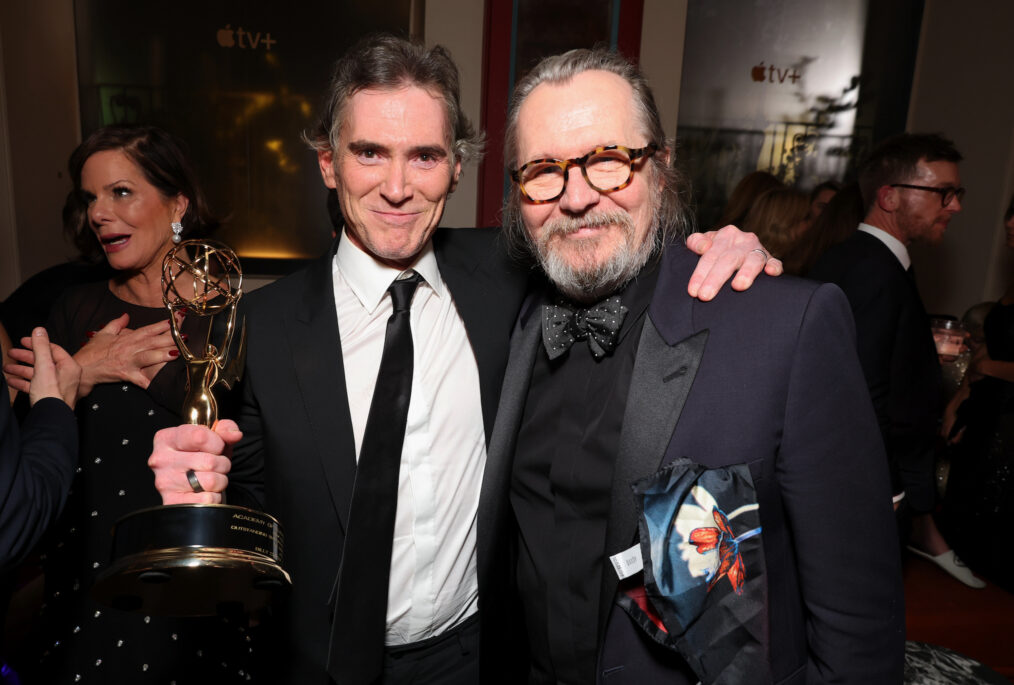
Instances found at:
x=580 y=278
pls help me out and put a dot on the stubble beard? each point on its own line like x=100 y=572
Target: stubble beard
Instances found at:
x=576 y=271
x=918 y=229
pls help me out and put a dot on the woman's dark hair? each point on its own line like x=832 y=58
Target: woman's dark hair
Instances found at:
x=749 y=188
x=162 y=158
x=775 y=217
x=838 y=221
x=833 y=186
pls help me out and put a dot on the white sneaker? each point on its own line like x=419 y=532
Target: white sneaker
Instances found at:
x=949 y=562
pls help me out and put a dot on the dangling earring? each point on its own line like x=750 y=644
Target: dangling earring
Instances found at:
x=177 y=231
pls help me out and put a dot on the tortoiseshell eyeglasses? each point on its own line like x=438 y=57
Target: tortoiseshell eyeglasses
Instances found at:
x=606 y=169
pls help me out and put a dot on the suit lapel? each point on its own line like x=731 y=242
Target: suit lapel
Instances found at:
x=320 y=375
x=494 y=499
x=659 y=385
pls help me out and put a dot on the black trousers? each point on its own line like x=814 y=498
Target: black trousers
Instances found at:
x=451 y=658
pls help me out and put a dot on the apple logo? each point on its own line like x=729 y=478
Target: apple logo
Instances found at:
x=757 y=73
x=225 y=38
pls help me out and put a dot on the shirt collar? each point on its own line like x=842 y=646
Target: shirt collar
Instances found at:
x=896 y=247
x=369 y=279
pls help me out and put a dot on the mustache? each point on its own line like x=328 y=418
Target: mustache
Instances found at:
x=566 y=225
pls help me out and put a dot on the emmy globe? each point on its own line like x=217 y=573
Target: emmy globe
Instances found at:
x=198 y=559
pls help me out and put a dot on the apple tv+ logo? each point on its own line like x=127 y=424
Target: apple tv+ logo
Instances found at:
x=760 y=73
x=246 y=40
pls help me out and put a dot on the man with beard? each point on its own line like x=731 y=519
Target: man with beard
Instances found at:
x=381 y=543
x=697 y=490
x=912 y=188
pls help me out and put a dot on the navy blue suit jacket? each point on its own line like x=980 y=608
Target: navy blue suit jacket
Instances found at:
x=775 y=384
x=897 y=354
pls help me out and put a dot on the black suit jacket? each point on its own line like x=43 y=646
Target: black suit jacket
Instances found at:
x=767 y=377
x=297 y=456
x=36 y=469
x=897 y=354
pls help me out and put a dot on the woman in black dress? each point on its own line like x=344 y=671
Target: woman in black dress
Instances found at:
x=135 y=195
x=979 y=504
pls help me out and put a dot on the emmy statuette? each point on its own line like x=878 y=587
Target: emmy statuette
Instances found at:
x=198 y=559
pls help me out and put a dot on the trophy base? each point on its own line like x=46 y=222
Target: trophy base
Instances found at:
x=194 y=560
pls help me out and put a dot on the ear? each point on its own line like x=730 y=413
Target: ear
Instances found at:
x=455 y=177
x=667 y=154
x=180 y=204
x=325 y=160
x=887 y=198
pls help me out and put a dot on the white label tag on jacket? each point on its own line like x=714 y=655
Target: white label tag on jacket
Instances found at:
x=628 y=562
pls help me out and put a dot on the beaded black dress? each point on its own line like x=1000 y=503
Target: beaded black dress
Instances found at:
x=80 y=640
x=979 y=504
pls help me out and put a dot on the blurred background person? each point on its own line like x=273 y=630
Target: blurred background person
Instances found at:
x=134 y=192
x=5 y=348
x=37 y=459
x=821 y=195
x=749 y=188
x=979 y=422
x=780 y=218
x=911 y=186
x=974 y=322
x=836 y=222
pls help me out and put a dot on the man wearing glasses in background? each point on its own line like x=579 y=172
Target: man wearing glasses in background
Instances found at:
x=912 y=188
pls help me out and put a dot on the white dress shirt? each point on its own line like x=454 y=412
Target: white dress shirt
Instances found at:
x=433 y=584
x=896 y=247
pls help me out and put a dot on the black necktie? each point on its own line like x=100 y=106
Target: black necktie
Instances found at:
x=360 y=618
x=563 y=325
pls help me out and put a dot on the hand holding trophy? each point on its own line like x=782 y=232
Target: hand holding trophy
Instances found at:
x=198 y=559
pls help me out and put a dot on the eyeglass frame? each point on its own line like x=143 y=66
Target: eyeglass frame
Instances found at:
x=633 y=153
x=958 y=192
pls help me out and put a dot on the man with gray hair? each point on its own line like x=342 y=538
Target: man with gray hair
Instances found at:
x=371 y=385
x=697 y=489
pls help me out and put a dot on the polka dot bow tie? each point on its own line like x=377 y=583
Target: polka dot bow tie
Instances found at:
x=563 y=325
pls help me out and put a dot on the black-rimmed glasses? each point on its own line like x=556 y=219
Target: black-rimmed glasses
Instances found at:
x=606 y=169
x=946 y=194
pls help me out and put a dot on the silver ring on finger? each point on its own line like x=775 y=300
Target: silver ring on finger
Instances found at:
x=764 y=253
x=195 y=484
